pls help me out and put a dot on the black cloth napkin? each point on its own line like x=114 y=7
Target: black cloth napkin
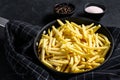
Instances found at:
x=19 y=52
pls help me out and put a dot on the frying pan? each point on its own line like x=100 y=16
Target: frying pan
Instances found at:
x=79 y=21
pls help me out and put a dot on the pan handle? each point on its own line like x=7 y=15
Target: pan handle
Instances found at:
x=3 y=22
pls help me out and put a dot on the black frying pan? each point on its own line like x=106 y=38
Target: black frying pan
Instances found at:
x=102 y=30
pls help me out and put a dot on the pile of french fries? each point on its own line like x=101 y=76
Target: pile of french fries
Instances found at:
x=73 y=48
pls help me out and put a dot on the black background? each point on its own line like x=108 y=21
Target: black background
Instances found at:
x=40 y=12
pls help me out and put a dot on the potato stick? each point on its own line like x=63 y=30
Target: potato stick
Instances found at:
x=48 y=56
x=106 y=39
x=55 y=49
x=80 y=70
x=75 y=69
x=71 y=61
x=40 y=43
x=72 y=30
x=63 y=67
x=47 y=64
x=100 y=43
x=78 y=34
x=56 y=31
x=59 y=57
x=61 y=61
x=81 y=66
x=55 y=52
x=90 y=32
x=67 y=69
x=46 y=53
x=50 y=41
x=60 y=22
x=69 y=25
x=84 y=31
x=77 y=31
x=76 y=25
x=45 y=36
x=57 y=45
x=76 y=61
x=48 y=31
x=90 y=40
x=89 y=67
x=91 y=53
x=99 y=60
x=101 y=39
x=96 y=40
x=95 y=28
x=95 y=64
x=54 y=63
x=89 y=26
x=43 y=50
x=93 y=58
x=105 y=51
x=53 y=42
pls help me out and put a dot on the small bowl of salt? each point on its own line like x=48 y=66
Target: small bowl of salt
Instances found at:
x=94 y=11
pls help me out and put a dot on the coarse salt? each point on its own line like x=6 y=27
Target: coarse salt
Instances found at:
x=94 y=9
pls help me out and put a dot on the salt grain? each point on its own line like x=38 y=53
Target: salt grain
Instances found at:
x=94 y=9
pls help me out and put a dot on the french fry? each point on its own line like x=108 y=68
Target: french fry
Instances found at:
x=60 y=22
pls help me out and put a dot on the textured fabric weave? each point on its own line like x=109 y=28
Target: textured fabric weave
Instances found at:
x=19 y=52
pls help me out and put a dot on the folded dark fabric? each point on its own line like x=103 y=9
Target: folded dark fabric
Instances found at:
x=19 y=52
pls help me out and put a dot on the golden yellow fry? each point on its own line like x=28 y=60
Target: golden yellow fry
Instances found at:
x=94 y=64
x=50 y=41
x=99 y=60
x=61 y=61
x=84 y=31
x=77 y=26
x=95 y=28
x=60 y=22
x=67 y=69
x=71 y=61
x=59 y=57
x=90 y=40
x=43 y=50
x=54 y=63
x=63 y=67
x=55 y=52
x=106 y=39
x=47 y=63
x=105 y=51
x=93 y=58
x=89 y=67
x=89 y=26
x=81 y=66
